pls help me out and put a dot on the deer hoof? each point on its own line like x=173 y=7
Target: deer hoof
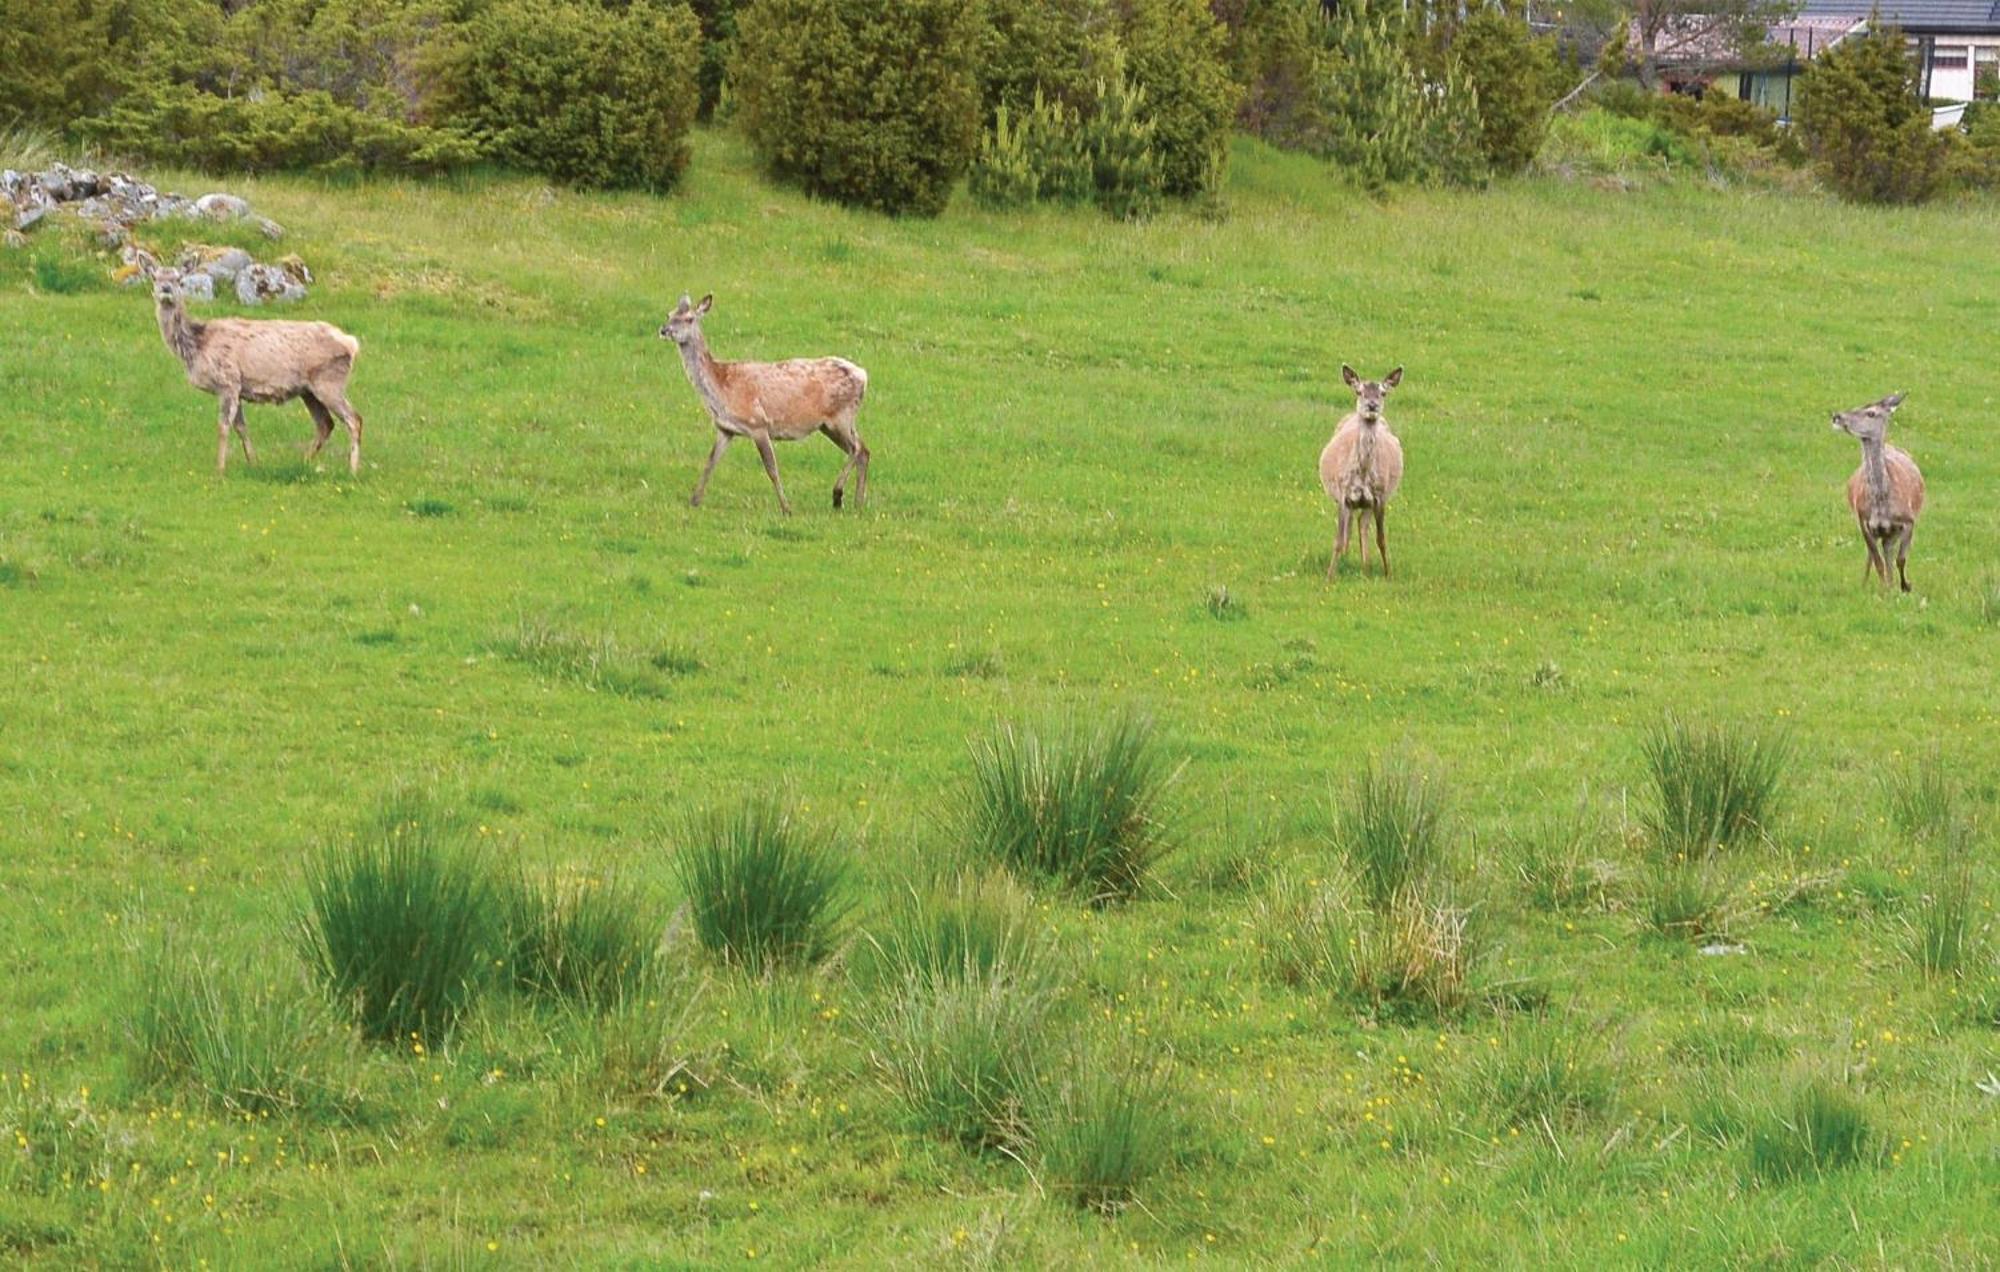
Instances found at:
x=838 y=493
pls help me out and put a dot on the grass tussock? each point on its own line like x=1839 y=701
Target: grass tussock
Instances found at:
x=1923 y=800
x=1947 y=933
x=254 y=1042
x=1817 y=1125
x=1082 y=806
x=1712 y=785
x=1989 y=600
x=1688 y=895
x=597 y=660
x=403 y=921
x=1564 y=861
x=1392 y=827
x=584 y=939
x=764 y=888
x=1417 y=954
x=1102 y=1127
x=961 y=928
x=1542 y=1073
x=963 y=1055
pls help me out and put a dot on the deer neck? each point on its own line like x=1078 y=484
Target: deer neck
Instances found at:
x=703 y=371
x=180 y=334
x=1875 y=470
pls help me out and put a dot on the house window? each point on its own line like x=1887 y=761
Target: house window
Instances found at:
x=1949 y=57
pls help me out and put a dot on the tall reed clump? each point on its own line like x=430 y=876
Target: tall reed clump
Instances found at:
x=1103 y=1125
x=1084 y=807
x=1923 y=802
x=1563 y=861
x=588 y=940
x=253 y=1041
x=403 y=921
x=1712 y=787
x=1544 y=1073
x=1392 y=829
x=963 y=1053
x=1947 y=934
x=765 y=889
x=957 y=928
x=1817 y=1125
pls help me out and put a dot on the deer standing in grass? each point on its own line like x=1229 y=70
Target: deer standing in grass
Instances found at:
x=260 y=360
x=772 y=402
x=1362 y=466
x=1886 y=492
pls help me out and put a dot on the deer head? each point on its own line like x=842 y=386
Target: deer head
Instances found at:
x=1369 y=394
x=684 y=324
x=1869 y=423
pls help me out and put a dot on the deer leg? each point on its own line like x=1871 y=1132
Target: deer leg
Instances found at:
x=852 y=449
x=1903 y=557
x=1871 y=571
x=861 y=458
x=770 y=459
x=1363 y=537
x=714 y=458
x=352 y=418
x=225 y=421
x=1339 y=540
x=1382 y=539
x=322 y=424
x=243 y=435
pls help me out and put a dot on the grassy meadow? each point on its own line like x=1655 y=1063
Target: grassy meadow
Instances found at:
x=1094 y=493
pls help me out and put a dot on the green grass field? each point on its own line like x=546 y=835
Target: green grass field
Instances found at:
x=1622 y=499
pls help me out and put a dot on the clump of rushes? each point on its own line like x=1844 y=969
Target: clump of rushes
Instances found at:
x=403 y=921
x=1392 y=828
x=963 y=1054
x=1562 y=861
x=1102 y=1126
x=1688 y=895
x=1923 y=803
x=249 y=1040
x=765 y=888
x=1945 y=937
x=1544 y=1073
x=960 y=928
x=1084 y=807
x=1416 y=954
x=584 y=939
x=1817 y=1125
x=1713 y=785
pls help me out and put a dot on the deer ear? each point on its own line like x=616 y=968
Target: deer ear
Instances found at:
x=1352 y=380
x=1894 y=400
x=1393 y=379
x=706 y=301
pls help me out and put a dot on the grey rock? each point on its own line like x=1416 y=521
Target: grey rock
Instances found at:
x=36 y=206
x=197 y=286
x=261 y=283
x=270 y=229
x=222 y=264
x=222 y=207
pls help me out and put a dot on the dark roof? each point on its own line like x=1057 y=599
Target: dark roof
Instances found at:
x=1916 y=15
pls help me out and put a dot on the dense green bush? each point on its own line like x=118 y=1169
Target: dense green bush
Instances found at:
x=64 y=60
x=583 y=95
x=1127 y=178
x=1175 y=51
x=1274 y=52
x=1056 y=47
x=1864 y=124
x=1515 y=77
x=873 y=103
x=180 y=124
x=1372 y=111
x=718 y=46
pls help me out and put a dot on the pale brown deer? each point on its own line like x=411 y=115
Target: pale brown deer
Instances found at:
x=1362 y=466
x=772 y=402
x=260 y=360
x=1886 y=492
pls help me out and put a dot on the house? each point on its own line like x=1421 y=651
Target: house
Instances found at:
x=1956 y=42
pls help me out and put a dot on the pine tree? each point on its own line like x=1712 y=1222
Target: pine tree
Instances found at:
x=1371 y=103
x=1863 y=123
x=1119 y=138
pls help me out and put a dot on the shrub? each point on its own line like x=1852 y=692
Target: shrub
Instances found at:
x=586 y=95
x=181 y=124
x=402 y=921
x=1175 y=53
x=1392 y=829
x=1274 y=51
x=1003 y=175
x=1128 y=177
x=765 y=889
x=1082 y=807
x=1042 y=157
x=1818 y=1125
x=963 y=1055
x=1050 y=48
x=1101 y=1127
x=584 y=939
x=249 y=1042
x=1515 y=77
x=1864 y=123
x=873 y=103
x=1417 y=954
x=1712 y=785
x=718 y=46
x=1370 y=102
x=1306 y=932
